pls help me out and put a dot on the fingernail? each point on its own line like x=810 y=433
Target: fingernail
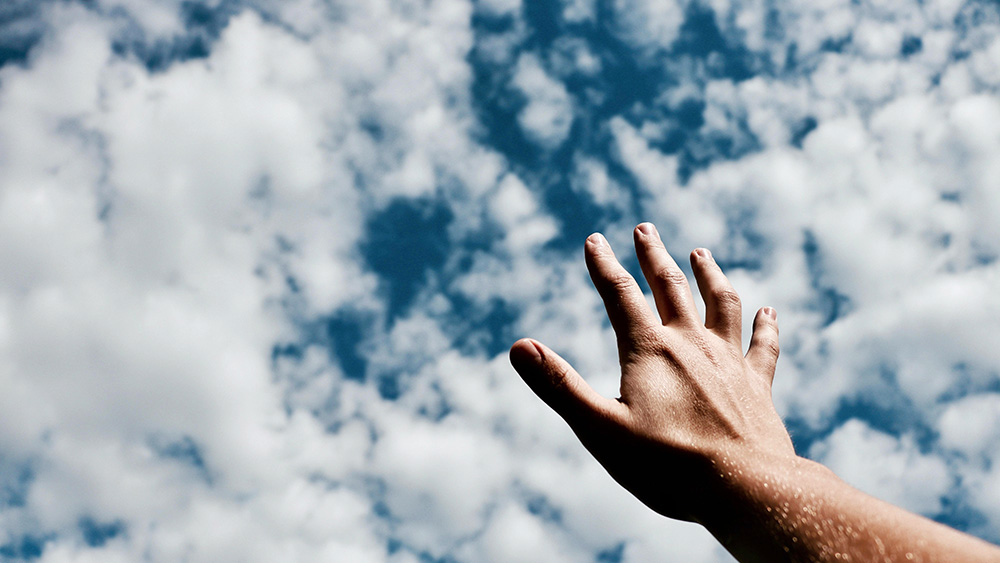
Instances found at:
x=769 y=311
x=703 y=252
x=597 y=240
x=525 y=353
x=647 y=229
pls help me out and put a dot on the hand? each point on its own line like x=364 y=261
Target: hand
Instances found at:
x=692 y=406
x=695 y=435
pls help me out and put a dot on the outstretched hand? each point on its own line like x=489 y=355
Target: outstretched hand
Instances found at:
x=693 y=407
x=695 y=435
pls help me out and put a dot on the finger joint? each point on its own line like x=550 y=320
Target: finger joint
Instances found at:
x=727 y=299
x=620 y=282
x=671 y=276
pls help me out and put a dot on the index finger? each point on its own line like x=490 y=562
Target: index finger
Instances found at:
x=627 y=308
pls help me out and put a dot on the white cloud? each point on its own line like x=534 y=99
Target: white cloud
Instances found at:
x=667 y=201
x=516 y=535
x=886 y=467
x=440 y=477
x=648 y=24
x=548 y=115
x=574 y=56
x=516 y=209
x=500 y=7
x=157 y=320
x=971 y=427
x=591 y=177
x=579 y=10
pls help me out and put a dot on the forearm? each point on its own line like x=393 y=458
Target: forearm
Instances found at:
x=798 y=510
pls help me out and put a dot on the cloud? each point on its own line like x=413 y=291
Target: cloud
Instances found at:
x=650 y=26
x=576 y=11
x=500 y=7
x=970 y=427
x=548 y=114
x=885 y=467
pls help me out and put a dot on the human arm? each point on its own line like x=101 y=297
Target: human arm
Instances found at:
x=695 y=436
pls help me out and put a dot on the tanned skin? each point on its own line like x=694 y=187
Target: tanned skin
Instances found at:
x=695 y=435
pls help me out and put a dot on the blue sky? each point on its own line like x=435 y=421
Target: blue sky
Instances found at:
x=263 y=261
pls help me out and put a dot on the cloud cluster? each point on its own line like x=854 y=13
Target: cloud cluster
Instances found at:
x=262 y=261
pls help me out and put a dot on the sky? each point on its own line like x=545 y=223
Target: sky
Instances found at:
x=262 y=261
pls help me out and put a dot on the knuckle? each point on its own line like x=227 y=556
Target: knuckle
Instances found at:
x=771 y=347
x=671 y=276
x=644 y=340
x=620 y=282
x=727 y=298
x=766 y=328
x=559 y=379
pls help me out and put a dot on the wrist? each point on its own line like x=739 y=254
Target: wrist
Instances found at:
x=752 y=486
x=760 y=501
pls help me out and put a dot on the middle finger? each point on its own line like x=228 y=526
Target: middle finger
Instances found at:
x=668 y=283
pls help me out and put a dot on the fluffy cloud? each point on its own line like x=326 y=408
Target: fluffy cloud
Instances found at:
x=650 y=26
x=970 y=428
x=886 y=467
x=548 y=114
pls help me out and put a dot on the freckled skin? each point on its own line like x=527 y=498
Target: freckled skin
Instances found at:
x=695 y=435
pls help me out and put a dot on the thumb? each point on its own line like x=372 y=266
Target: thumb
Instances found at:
x=558 y=384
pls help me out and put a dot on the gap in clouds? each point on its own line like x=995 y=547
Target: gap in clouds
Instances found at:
x=403 y=244
x=202 y=25
x=97 y=534
x=20 y=31
x=26 y=548
x=408 y=246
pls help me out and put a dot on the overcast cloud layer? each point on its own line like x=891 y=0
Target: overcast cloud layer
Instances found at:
x=262 y=260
